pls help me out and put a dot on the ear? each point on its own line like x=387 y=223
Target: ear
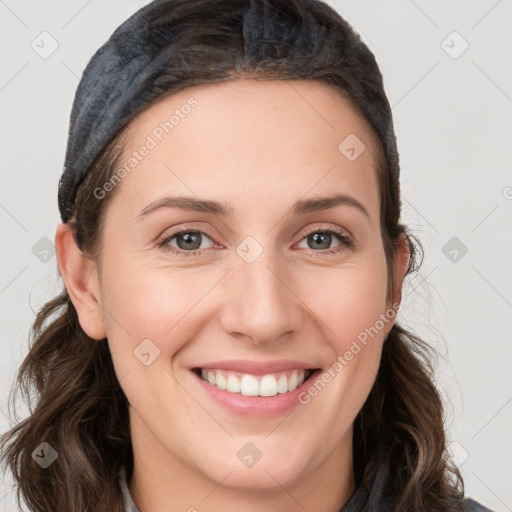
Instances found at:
x=81 y=280
x=402 y=255
x=400 y=264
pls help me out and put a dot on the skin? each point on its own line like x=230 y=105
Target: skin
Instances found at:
x=257 y=146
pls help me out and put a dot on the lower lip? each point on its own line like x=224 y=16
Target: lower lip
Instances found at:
x=258 y=406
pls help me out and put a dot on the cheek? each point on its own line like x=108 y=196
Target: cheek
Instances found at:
x=150 y=317
x=351 y=305
x=149 y=303
x=347 y=300
x=153 y=302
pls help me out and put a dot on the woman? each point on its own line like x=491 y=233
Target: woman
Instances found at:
x=233 y=259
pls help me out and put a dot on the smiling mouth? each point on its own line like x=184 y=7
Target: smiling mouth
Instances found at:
x=254 y=385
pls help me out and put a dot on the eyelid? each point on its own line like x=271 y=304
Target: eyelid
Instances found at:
x=332 y=228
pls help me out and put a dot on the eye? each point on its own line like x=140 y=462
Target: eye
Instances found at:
x=322 y=239
x=188 y=241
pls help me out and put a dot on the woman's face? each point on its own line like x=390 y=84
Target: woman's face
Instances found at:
x=252 y=293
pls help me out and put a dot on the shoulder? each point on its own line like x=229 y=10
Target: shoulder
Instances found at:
x=473 y=506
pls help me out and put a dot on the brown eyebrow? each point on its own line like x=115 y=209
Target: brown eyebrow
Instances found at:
x=186 y=203
x=324 y=203
x=301 y=207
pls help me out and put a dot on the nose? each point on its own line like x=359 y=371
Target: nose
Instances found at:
x=261 y=306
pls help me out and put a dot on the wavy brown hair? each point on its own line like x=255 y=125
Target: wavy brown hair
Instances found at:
x=75 y=400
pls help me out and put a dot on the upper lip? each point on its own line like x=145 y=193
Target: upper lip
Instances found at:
x=254 y=367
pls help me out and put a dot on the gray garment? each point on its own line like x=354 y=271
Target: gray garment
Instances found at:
x=129 y=505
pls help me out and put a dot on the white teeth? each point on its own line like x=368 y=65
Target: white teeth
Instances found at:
x=292 y=381
x=268 y=386
x=220 y=381
x=249 y=385
x=233 y=384
x=282 y=384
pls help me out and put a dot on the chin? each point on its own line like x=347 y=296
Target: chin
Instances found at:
x=279 y=467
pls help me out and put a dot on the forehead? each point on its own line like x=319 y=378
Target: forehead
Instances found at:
x=250 y=139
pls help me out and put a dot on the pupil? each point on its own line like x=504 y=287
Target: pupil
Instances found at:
x=317 y=238
x=189 y=239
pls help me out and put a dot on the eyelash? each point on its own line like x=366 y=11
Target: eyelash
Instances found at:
x=345 y=240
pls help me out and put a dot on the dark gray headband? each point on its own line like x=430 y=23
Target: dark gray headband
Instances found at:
x=122 y=77
x=119 y=80
x=113 y=88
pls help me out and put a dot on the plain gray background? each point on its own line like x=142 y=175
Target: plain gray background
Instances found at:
x=452 y=111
